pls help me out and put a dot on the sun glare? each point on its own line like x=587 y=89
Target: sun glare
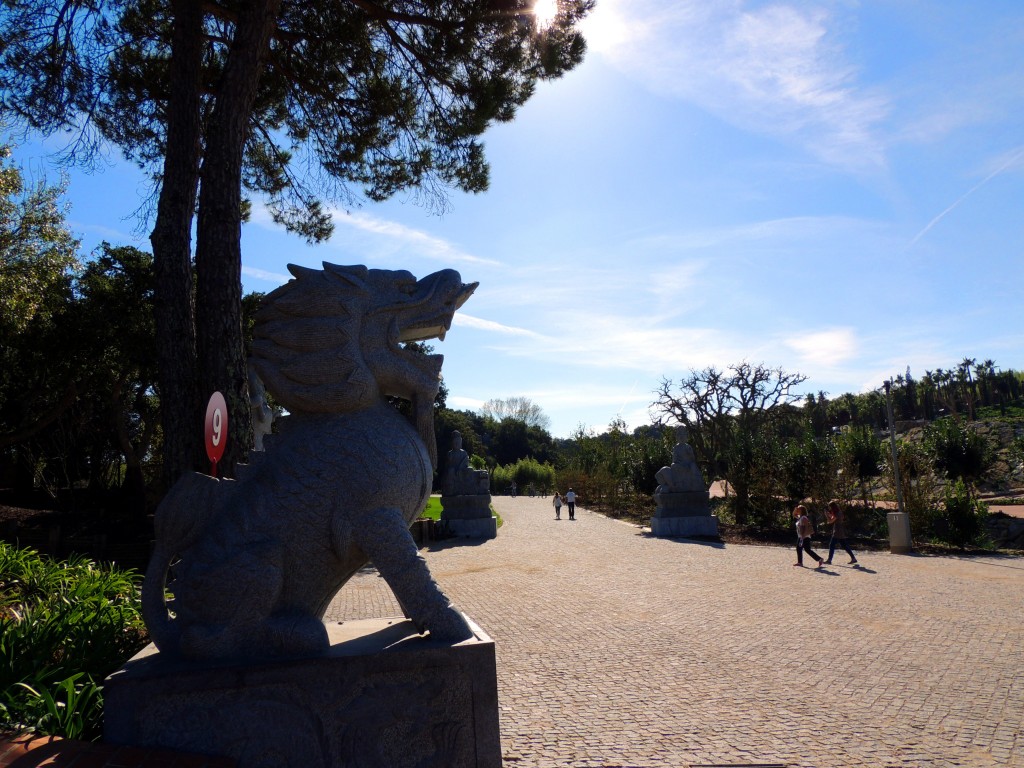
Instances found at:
x=545 y=11
x=604 y=28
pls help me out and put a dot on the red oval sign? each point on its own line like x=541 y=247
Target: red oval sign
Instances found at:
x=216 y=428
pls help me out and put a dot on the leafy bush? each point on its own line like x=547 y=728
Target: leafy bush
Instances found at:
x=961 y=519
x=64 y=626
x=810 y=466
x=1016 y=451
x=956 y=450
x=918 y=483
x=525 y=472
x=863 y=451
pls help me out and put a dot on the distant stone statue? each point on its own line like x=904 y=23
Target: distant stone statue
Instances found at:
x=262 y=414
x=257 y=560
x=460 y=479
x=682 y=500
x=684 y=474
x=466 y=496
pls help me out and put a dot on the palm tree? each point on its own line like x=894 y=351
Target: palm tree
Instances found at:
x=984 y=373
x=967 y=383
x=944 y=380
x=928 y=395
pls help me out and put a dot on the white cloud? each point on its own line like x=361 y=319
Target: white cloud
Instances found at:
x=386 y=238
x=676 y=283
x=596 y=339
x=780 y=69
x=459 y=403
x=825 y=348
x=107 y=233
x=262 y=274
x=788 y=232
x=489 y=325
x=422 y=243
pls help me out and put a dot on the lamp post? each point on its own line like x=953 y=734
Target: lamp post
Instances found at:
x=899 y=521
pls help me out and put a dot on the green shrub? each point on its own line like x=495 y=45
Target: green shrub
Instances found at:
x=525 y=473
x=957 y=450
x=919 y=485
x=961 y=519
x=64 y=626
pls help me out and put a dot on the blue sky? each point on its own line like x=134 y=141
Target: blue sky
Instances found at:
x=836 y=188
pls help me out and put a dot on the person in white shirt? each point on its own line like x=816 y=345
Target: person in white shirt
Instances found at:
x=570 y=500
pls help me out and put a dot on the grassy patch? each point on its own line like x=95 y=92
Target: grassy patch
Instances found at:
x=433 y=510
x=997 y=413
x=64 y=626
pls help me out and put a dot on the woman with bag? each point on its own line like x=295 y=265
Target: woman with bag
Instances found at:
x=838 y=519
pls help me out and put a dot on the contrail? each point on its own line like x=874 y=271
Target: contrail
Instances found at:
x=621 y=407
x=967 y=194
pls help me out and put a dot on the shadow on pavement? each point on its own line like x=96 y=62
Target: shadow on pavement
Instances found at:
x=455 y=541
x=713 y=543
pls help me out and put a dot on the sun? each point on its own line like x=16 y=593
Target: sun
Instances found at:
x=545 y=11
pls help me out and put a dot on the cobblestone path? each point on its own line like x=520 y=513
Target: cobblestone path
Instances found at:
x=616 y=649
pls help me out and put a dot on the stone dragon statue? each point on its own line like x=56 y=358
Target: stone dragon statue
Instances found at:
x=251 y=564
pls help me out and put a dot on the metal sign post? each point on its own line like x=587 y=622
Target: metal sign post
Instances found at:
x=900 y=542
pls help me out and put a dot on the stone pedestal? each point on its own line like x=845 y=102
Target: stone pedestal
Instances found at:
x=481 y=528
x=469 y=516
x=682 y=504
x=686 y=513
x=383 y=696
x=685 y=526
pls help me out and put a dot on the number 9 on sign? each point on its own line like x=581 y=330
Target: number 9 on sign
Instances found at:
x=218 y=417
x=216 y=429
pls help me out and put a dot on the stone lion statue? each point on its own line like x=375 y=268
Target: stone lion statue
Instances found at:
x=251 y=564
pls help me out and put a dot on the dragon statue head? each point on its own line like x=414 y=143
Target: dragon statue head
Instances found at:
x=329 y=341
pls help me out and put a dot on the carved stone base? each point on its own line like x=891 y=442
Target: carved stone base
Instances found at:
x=466 y=507
x=469 y=516
x=480 y=528
x=383 y=695
x=682 y=503
x=705 y=525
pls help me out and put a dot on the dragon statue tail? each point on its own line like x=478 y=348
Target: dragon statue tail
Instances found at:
x=180 y=520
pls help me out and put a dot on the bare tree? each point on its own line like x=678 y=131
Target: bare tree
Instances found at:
x=517 y=408
x=723 y=411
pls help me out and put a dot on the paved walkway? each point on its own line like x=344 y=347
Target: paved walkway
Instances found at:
x=618 y=649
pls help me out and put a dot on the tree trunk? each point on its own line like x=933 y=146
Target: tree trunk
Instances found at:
x=218 y=245
x=171 y=240
x=133 y=489
x=741 y=501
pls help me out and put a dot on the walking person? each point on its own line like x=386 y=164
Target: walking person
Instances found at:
x=804 y=531
x=570 y=500
x=557 y=502
x=837 y=517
